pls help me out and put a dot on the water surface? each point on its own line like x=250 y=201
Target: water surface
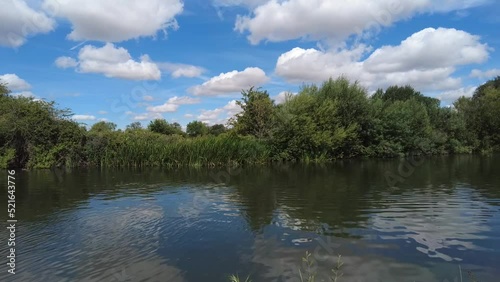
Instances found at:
x=205 y=224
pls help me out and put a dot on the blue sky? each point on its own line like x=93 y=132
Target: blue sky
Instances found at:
x=132 y=60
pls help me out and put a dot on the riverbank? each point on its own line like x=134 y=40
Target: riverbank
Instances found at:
x=320 y=124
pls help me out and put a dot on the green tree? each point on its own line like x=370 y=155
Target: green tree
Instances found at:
x=34 y=133
x=103 y=127
x=217 y=129
x=163 y=127
x=196 y=128
x=134 y=126
x=257 y=116
x=322 y=123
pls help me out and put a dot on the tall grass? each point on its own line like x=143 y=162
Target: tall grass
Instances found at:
x=143 y=148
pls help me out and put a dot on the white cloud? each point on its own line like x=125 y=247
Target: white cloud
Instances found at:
x=164 y=108
x=66 y=62
x=18 y=21
x=428 y=49
x=173 y=104
x=182 y=70
x=14 y=82
x=113 y=62
x=282 y=97
x=485 y=74
x=84 y=117
x=102 y=112
x=232 y=108
x=314 y=66
x=423 y=60
x=334 y=21
x=220 y=115
x=115 y=20
x=451 y=96
x=147 y=116
x=184 y=100
x=231 y=82
x=210 y=116
x=188 y=115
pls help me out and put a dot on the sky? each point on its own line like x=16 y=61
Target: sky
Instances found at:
x=133 y=60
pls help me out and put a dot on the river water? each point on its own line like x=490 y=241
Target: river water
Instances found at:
x=436 y=219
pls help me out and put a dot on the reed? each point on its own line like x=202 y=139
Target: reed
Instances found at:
x=146 y=149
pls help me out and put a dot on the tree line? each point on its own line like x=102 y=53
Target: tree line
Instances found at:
x=335 y=120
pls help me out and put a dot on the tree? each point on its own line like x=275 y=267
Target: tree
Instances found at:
x=196 y=128
x=134 y=126
x=481 y=113
x=257 y=116
x=4 y=91
x=163 y=127
x=103 y=127
x=35 y=134
x=216 y=129
x=324 y=122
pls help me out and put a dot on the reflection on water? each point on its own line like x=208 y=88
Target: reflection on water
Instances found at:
x=180 y=225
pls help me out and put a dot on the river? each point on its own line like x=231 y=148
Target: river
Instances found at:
x=436 y=219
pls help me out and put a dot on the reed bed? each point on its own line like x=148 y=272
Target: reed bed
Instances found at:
x=143 y=149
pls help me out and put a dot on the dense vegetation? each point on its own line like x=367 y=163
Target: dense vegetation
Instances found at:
x=321 y=123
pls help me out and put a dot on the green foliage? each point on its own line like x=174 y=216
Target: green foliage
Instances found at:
x=319 y=124
x=134 y=126
x=37 y=131
x=322 y=123
x=257 y=116
x=145 y=148
x=217 y=129
x=481 y=114
x=163 y=127
x=196 y=128
x=103 y=126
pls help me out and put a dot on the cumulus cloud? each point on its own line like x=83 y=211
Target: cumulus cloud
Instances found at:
x=182 y=70
x=220 y=115
x=334 y=21
x=164 y=108
x=282 y=97
x=14 y=82
x=66 y=62
x=184 y=100
x=84 y=117
x=422 y=60
x=448 y=97
x=173 y=104
x=231 y=82
x=18 y=21
x=113 y=62
x=115 y=20
x=429 y=49
x=485 y=74
x=147 y=116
